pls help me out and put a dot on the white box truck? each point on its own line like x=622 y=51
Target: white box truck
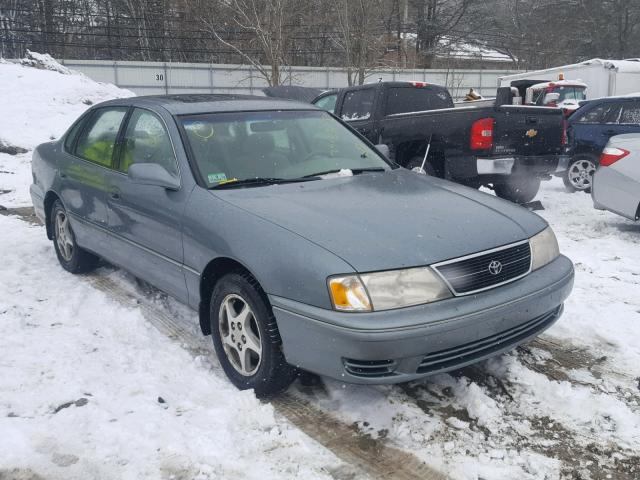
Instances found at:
x=604 y=78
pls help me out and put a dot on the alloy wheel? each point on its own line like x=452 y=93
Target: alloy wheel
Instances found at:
x=240 y=335
x=581 y=173
x=64 y=236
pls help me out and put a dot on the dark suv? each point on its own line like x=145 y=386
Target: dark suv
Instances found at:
x=589 y=130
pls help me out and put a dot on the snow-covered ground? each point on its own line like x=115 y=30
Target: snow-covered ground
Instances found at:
x=96 y=380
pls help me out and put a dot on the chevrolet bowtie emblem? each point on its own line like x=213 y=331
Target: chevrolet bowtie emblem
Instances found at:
x=531 y=133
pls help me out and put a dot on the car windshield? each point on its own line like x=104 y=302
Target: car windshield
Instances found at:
x=571 y=93
x=286 y=145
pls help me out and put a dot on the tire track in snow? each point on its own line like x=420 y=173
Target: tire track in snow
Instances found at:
x=371 y=456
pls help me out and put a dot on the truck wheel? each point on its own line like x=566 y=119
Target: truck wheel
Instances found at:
x=518 y=188
x=245 y=336
x=579 y=174
x=417 y=162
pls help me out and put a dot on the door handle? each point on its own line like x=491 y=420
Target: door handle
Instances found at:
x=63 y=175
x=114 y=194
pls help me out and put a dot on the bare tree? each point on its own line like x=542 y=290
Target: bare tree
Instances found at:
x=359 y=36
x=262 y=28
x=436 y=18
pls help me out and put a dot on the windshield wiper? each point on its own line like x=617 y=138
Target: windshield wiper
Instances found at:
x=355 y=171
x=258 y=181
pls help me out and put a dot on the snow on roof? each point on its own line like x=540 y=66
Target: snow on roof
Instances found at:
x=452 y=48
x=448 y=47
x=631 y=65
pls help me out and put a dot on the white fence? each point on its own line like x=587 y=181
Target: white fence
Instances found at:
x=146 y=78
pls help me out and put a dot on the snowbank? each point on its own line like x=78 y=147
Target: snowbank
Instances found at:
x=41 y=98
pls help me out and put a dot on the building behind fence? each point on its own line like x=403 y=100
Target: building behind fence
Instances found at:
x=146 y=78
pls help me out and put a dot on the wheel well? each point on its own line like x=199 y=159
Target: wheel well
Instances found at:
x=214 y=271
x=49 y=200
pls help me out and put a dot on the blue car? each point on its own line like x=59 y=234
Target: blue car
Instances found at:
x=589 y=130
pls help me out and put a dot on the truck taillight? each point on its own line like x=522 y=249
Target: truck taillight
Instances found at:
x=565 y=138
x=611 y=155
x=482 y=134
x=418 y=84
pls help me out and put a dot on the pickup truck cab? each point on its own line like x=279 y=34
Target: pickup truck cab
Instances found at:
x=508 y=148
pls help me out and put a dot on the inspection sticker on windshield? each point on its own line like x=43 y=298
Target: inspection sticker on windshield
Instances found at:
x=216 y=177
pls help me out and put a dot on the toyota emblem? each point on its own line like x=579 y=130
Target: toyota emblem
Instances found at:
x=495 y=267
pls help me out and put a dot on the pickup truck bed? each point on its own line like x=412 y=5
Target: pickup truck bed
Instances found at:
x=506 y=147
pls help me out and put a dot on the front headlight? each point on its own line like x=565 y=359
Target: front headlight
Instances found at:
x=387 y=290
x=544 y=248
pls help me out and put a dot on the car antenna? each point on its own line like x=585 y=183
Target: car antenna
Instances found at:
x=421 y=169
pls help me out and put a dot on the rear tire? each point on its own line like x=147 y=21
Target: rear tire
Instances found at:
x=73 y=258
x=579 y=174
x=518 y=188
x=246 y=338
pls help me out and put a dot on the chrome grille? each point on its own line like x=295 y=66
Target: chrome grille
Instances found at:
x=485 y=270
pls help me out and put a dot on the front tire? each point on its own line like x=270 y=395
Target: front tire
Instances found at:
x=579 y=175
x=73 y=258
x=246 y=338
x=518 y=188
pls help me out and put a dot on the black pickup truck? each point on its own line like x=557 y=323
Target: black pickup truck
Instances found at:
x=509 y=148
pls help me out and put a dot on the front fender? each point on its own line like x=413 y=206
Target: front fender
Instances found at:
x=284 y=263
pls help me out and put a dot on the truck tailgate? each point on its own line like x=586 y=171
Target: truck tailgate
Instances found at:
x=528 y=131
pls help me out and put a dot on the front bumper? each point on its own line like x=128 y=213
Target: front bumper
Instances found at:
x=409 y=343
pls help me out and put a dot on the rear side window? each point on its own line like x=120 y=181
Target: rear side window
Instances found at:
x=416 y=99
x=358 y=105
x=630 y=114
x=97 y=141
x=73 y=133
x=328 y=103
x=147 y=141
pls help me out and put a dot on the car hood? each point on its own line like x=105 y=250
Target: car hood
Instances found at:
x=383 y=221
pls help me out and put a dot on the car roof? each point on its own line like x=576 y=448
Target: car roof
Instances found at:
x=185 y=104
x=617 y=98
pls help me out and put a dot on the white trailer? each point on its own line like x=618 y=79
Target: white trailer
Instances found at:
x=604 y=78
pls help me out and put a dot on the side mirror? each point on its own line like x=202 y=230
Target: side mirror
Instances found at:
x=383 y=149
x=551 y=98
x=153 y=174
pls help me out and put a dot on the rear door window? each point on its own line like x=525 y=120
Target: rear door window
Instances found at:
x=600 y=114
x=97 y=140
x=358 y=105
x=147 y=141
x=630 y=114
x=416 y=99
